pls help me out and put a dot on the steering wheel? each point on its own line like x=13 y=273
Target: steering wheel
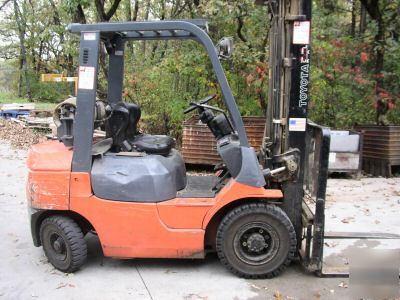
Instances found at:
x=194 y=105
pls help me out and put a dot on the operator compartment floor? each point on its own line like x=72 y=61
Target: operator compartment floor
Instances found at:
x=198 y=187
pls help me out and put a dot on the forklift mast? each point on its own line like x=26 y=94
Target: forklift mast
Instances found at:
x=286 y=123
x=289 y=64
x=293 y=140
x=290 y=139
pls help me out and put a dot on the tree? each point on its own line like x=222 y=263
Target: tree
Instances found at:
x=23 y=68
x=383 y=12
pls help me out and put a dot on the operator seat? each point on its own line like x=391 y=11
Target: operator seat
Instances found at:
x=122 y=127
x=148 y=178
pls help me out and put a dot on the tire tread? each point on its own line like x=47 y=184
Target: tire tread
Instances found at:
x=256 y=208
x=75 y=239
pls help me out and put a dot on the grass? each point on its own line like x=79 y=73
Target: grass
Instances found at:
x=8 y=97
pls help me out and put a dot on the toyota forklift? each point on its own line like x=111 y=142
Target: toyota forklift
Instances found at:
x=131 y=188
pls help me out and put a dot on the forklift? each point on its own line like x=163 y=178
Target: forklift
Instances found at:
x=131 y=188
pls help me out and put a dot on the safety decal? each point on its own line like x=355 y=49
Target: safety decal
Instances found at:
x=301 y=32
x=89 y=36
x=86 y=78
x=297 y=124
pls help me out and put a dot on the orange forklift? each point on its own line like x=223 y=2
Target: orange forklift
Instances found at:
x=132 y=190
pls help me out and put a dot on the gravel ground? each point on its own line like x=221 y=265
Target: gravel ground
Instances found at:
x=26 y=274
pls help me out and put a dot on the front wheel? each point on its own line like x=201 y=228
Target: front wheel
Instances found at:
x=256 y=240
x=63 y=243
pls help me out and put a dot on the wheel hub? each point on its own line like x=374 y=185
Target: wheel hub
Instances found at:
x=256 y=242
x=58 y=245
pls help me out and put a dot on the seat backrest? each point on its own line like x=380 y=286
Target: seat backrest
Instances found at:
x=134 y=117
x=122 y=124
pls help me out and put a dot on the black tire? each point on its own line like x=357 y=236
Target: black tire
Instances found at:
x=256 y=240
x=63 y=243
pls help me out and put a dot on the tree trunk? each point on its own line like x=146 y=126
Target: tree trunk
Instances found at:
x=104 y=16
x=20 y=77
x=353 y=18
x=382 y=105
x=375 y=12
x=363 y=19
x=146 y=17
x=79 y=15
x=135 y=11
x=380 y=48
x=39 y=61
x=128 y=10
x=21 y=24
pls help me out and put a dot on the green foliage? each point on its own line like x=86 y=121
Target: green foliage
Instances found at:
x=9 y=97
x=343 y=84
x=52 y=92
x=342 y=92
x=163 y=77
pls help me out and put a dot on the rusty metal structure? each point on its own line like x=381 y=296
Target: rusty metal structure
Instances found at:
x=381 y=149
x=199 y=146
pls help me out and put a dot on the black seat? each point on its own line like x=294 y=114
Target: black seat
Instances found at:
x=122 y=127
x=153 y=144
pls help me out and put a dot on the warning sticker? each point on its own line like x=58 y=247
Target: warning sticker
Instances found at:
x=89 y=36
x=86 y=78
x=297 y=124
x=301 y=32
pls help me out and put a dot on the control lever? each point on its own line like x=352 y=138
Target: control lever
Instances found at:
x=269 y=173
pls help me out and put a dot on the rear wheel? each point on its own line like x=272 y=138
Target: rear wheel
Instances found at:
x=256 y=240
x=63 y=243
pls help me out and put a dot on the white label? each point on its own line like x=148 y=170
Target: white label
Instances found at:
x=89 y=36
x=332 y=157
x=86 y=78
x=71 y=79
x=301 y=32
x=297 y=124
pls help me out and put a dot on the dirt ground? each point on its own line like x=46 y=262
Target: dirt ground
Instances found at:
x=25 y=273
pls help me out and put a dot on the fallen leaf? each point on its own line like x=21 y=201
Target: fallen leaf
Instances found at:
x=61 y=285
x=20 y=137
x=278 y=295
x=331 y=244
x=194 y=296
x=347 y=220
x=367 y=211
x=317 y=295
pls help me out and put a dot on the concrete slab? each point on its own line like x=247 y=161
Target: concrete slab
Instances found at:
x=365 y=205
